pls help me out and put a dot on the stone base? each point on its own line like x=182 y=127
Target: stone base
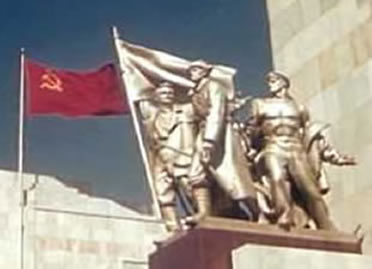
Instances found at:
x=209 y=245
x=267 y=257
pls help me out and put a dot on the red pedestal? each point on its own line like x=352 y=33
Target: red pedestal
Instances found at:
x=209 y=245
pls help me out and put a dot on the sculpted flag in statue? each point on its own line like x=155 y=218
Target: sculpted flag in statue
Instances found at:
x=144 y=68
x=72 y=93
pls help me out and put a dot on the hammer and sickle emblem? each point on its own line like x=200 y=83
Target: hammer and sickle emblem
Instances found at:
x=50 y=81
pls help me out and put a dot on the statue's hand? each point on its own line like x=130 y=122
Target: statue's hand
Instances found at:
x=346 y=160
x=206 y=152
x=251 y=155
x=239 y=102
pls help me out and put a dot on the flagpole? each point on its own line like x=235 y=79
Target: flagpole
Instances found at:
x=134 y=114
x=20 y=153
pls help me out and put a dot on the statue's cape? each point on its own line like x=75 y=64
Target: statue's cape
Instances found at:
x=313 y=131
x=232 y=173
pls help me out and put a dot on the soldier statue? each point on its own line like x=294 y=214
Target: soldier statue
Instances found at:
x=291 y=150
x=170 y=129
x=217 y=155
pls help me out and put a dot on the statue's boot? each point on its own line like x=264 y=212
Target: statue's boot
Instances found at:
x=249 y=206
x=169 y=215
x=286 y=220
x=319 y=212
x=202 y=199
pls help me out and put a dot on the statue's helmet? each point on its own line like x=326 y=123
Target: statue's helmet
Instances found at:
x=165 y=92
x=274 y=75
x=200 y=64
x=165 y=84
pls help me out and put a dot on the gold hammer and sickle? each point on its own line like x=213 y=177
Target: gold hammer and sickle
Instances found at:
x=51 y=81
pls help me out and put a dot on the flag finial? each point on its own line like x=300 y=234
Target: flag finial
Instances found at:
x=114 y=32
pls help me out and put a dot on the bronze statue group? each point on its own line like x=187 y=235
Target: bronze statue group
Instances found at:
x=265 y=168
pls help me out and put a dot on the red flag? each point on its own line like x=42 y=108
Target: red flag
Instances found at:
x=71 y=93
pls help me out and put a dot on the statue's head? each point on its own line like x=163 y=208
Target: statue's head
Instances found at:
x=277 y=81
x=165 y=93
x=199 y=69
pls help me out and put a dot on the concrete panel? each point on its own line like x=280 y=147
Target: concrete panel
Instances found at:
x=275 y=7
x=326 y=5
x=286 y=25
x=322 y=34
x=305 y=83
x=311 y=10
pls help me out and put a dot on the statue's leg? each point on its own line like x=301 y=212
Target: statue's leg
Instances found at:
x=306 y=183
x=276 y=173
x=170 y=217
x=201 y=195
x=250 y=208
x=202 y=198
x=185 y=186
x=166 y=195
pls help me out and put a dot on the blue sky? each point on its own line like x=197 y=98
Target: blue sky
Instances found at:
x=102 y=154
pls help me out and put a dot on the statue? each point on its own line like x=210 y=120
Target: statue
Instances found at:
x=170 y=129
x=217 y=150
x=194 y=151
x=195 y=145
x=290 y=152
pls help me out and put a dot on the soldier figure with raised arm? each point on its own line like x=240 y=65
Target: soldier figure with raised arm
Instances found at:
x=171 y=130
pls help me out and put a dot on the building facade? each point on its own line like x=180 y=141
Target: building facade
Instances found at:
x=325 y=47
x=64 y=228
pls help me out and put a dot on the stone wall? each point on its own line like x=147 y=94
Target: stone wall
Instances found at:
x=67 y=229
x=325 y=46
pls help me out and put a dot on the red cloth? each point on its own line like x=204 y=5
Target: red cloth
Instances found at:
x=71 y=93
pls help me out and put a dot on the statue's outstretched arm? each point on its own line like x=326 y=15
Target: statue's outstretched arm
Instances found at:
x=331 y=155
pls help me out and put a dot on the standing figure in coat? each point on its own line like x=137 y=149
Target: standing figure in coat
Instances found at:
x=216 y=146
